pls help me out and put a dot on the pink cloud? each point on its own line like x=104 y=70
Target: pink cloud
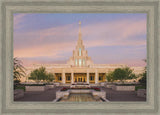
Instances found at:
x=115 y=33
x=52 y=42
x=18 y=19
x=52 y=50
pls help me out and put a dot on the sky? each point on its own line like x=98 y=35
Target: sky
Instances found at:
x=110 y=38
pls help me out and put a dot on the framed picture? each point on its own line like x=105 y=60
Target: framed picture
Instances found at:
x=80 y=57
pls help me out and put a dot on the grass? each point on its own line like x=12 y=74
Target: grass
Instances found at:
x=125 y=84
x=140 y=87
x=20 y=87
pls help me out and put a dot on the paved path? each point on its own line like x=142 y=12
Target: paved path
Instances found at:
x=111 y=95
x=48 y=95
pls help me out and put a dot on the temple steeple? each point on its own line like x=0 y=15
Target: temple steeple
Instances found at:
x=80 y=34
x=80 y=56
x=79 y=27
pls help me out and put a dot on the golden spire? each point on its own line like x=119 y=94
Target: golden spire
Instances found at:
x=80 y=42
x=79 y=26
x=80 y=34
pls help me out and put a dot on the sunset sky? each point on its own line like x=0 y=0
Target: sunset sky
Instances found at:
x=109 y=38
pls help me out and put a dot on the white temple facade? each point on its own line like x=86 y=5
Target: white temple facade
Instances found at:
x=79 y=67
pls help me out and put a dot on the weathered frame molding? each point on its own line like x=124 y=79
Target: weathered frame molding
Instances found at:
x=8 y=7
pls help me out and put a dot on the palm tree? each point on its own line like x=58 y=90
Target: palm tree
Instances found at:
x=18 y=69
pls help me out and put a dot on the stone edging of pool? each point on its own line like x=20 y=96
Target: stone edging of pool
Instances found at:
x=61 y=94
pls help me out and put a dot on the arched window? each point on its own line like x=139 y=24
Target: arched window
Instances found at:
x=80 y=62
x=76 y=62
x=84 y=62
x=79 y=51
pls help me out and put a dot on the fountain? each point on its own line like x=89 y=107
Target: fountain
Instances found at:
x=81 y=97
x=80 y=93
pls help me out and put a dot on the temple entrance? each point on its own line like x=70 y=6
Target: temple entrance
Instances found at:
x=80 y=77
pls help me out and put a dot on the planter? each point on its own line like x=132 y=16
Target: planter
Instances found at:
x=57 y=84
x=65 y=94
x=141 y=92
x=60 y=94
x=123 y=88
x=110 y=85
x=18 y=93
x=35 y=88
x=101 y=94
x=49 y=86
x=80 y=91
x=103 y=84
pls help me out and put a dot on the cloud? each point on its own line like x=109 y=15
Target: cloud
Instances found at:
x=18 y=19
x=122 y=32
x=53 y=42
x=43 y=50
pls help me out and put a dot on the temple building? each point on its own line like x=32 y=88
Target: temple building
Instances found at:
x=80 y=67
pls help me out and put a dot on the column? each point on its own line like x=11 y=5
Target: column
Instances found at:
x=63 y=77
x=72 y=78
x=96 y=77
x=88 y=77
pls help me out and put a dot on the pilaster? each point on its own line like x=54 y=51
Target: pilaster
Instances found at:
x=72 y=78
x=96 y=76
x=63 y=77
x=87 y=76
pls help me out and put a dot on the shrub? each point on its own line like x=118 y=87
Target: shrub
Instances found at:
x=34 y=84
x=143 y=80
x=125 y=84
x=64 y=89
x=140 y=87
x=16 y=81
x=96 y=89
x=19 y=87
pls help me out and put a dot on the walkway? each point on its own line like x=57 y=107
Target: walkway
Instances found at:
x=48 y=95
x=111 y=95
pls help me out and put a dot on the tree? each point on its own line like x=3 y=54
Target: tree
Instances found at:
x=143 y=80
x=50 y=77
x=41 y=74
x=18 y=70
x=123 y=74
x=38 y=74
x=109 y=76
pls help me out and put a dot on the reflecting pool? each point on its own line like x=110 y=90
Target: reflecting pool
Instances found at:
x=81 y=97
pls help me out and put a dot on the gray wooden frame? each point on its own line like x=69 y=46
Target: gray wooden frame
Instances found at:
x=8 y=7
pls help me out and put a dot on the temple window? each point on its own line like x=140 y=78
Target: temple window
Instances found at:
x=68 y=78
x=100 y=78
x=76 y=61
x=83 y=61
x=91 y=78
x=80 y=62
x=59 y=78
x=79 y=51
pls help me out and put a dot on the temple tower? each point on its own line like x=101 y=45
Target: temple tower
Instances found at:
x=80 y=56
